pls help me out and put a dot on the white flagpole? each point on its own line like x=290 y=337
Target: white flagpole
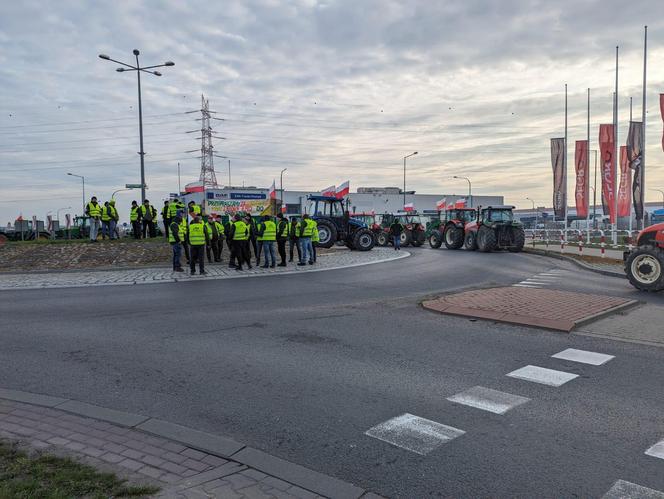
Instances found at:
x=565 y=163
x=587 y=178
x=643 y=129
x=615 y=155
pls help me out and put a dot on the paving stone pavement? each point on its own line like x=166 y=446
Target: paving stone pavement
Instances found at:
x=340 y=258
x=180 y=471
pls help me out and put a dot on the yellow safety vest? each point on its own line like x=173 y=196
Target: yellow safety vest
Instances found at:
x=283 y=234
x=197 y=234
x=308 y=228
x=314 y=234
x=133 y=215
x=220 y=228
x=114 y=213
x=105 y=215
x=94 y=209
x=269 y=231
x=173 y=208
x=183 y=230
x=241 y=231
x=196 y=210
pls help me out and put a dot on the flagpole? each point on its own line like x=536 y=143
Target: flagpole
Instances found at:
x=642 y=170
x=565 y=162
x=615 y=155
x=587 y=186
x=630 y=174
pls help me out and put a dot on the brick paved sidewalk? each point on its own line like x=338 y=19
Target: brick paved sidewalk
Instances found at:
x=329 y=261
x=547 y=308
x=180 y=469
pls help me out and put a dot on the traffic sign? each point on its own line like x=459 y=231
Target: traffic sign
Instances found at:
x=134 y=186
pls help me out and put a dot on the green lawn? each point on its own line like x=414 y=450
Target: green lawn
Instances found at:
x=50 y=477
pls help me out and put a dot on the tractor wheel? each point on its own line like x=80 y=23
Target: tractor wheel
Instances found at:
x=435 y=239
x=382 y=239
x=419 y=238
x=406 y=238
x=519 y=238
x=645 y=268
x=470 y=241
x=363 y=240
x=486 y=239
x=453 y=237
x=327 y=234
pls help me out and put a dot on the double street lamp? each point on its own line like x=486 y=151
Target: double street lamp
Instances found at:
x=138 y=69
x=404 y=175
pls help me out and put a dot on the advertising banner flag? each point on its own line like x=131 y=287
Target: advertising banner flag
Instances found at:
x=606 y=147
x=343 y=190
x=329 y=191
x=582 y=174
x=634 y=159
x=625 y=187
x=559 y=177
x=661 y=109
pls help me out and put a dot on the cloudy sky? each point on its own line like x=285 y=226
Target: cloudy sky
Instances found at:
x=330 y=90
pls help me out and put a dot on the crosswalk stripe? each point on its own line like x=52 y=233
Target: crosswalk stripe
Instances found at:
x=583 y=356
x=488 y=399
x=623 y=489
x=656 y=450
x=522 y=285
x=413 y=433
x=542 y=375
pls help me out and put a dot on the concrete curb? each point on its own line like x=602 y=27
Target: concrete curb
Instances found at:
x=404 y=254
x=578 y=263
x=220 y=446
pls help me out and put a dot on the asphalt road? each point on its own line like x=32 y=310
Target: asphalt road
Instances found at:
x=302 y=365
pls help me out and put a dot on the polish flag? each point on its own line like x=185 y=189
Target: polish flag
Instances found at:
x=194 y=187
x=283 y=209
x=409 y=207
x=460 y=203
x=273 y=191
x=329 y=191
x=343 y=190
x=440 y=204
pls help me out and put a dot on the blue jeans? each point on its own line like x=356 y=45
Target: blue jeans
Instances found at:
x=268 y=251
x=397 y=241
x=306 y=250
x=112 y=224
x=94 y=228
x=105 y=229
x=177 y=253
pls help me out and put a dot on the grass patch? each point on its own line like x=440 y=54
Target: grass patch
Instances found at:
x=50 y=477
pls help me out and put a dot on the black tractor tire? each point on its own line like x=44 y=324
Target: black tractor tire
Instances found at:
x=519 y=238
x=645 y=268
x=327 y=234
x=486 y=239
x=453 y=237
x=435 y=239
x=363 y=240
x=406 y=238
x=383 y=239
x=470 y=241
x=419 y=238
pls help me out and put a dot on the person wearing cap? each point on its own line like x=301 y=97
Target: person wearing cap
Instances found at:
x=199 y=237
x=282 y=237
x=175 y=237
x=94 y=211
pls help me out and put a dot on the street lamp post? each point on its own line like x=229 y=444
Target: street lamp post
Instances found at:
x=536 y=217
x=281 y=186
x=404 y=176
x=57 y=213
x=662 y=193
x=83 y=180
x=470 y=189
x=138 y=70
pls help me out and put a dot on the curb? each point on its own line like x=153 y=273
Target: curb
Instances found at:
x=404 y=254
x=217 y=445
x=578 y=263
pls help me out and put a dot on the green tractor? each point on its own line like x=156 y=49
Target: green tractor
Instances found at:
x=495 y=229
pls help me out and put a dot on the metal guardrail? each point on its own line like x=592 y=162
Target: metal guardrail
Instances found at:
x=595 y=238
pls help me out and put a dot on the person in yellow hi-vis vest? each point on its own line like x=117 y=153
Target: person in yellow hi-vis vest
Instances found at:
x=199 y=237
x=94 y=210
x=314 y=239
x=267 y=232
x=239 y=237
x=135 y=219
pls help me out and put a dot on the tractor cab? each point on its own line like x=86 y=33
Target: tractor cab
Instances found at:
x=496 y=214
x=462 y=215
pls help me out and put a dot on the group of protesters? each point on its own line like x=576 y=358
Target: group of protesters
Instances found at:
x=204 y=235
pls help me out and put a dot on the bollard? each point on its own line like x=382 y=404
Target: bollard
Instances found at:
x=562 y=241
x=580 y=237
x=602 y=244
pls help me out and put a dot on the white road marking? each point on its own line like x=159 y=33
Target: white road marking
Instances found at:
x=488 y=399
x=413 y=433
x=656 y=450
x=592 y=358
x=535 y=281
x=542 y=375
x=628 y=490
x=521 y=285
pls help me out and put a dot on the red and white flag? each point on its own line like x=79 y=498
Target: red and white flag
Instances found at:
x=460 y=203
x=273 y=191
x=343 y=190
x=625 y=189
x=329 y=191
x=409 y=207
x=194 y=187
x=440 y=204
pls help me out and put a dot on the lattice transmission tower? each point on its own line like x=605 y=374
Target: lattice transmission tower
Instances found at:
x=207 y=176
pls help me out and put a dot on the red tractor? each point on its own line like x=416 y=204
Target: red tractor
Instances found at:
x=451 y=230
x=644 y=265
x=372 y=220
x=495 y=229
x=414 y=228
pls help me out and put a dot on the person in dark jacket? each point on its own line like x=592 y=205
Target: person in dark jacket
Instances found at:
x=395 y=231
x=293 y=236
x=282 y=237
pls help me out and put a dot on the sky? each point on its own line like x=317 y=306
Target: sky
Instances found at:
x=330 y=90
